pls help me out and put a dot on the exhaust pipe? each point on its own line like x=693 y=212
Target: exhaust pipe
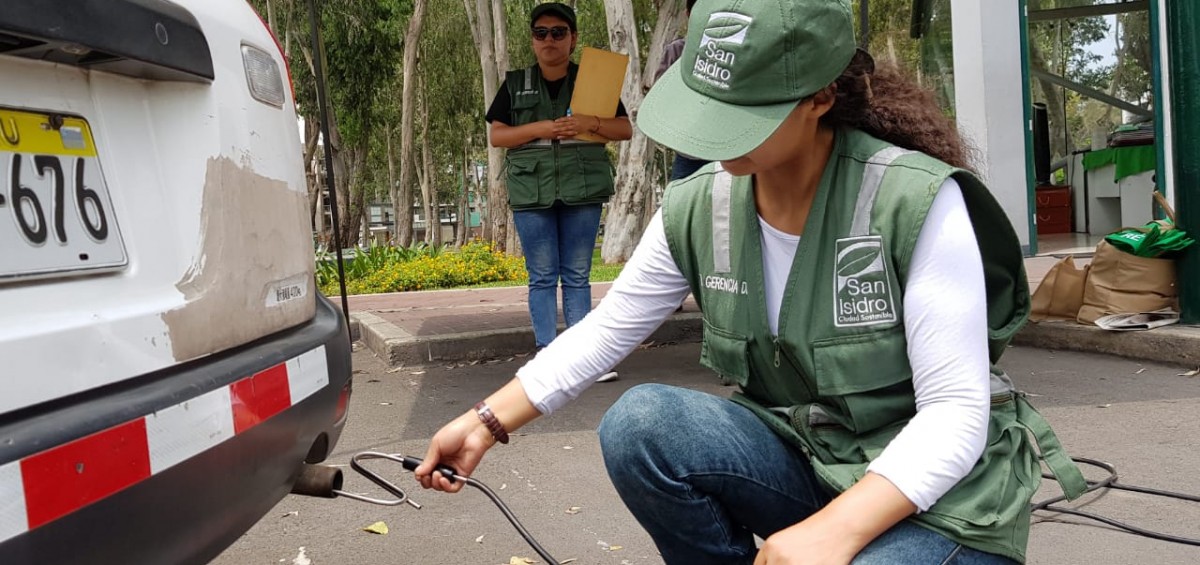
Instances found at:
x=320 y=481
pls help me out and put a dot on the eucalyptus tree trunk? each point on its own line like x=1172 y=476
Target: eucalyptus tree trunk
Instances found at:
x=393 y=188
x=486 y=20
x=464 y=212
x=627 y=211
x=348 y=163
x=403 y=205
x=433 y=216
x=312 y=178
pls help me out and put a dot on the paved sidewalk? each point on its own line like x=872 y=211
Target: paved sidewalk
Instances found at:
x=422 y=328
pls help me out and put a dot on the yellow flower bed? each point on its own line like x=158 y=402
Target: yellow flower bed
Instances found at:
x=476 y=263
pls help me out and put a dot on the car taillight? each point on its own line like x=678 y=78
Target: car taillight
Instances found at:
x=343 y=403
x=262 y=75
x=287 y=65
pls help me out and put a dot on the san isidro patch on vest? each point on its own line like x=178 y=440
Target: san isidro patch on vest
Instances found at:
x=862 y=285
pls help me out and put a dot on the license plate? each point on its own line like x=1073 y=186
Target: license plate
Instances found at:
x=55 y=212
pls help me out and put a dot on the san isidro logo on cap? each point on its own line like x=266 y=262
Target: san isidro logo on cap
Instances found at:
x=862 y=285
x=717 y=55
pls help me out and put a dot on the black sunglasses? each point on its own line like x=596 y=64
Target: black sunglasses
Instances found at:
x=557 y=32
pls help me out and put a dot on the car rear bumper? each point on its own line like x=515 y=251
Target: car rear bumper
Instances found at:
x=121 y=474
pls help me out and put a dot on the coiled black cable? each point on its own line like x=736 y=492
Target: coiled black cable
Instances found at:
x=1048 y=505
x=1111 y=482
x=411 y=464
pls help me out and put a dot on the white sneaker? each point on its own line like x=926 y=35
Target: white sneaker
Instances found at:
x=608 y=377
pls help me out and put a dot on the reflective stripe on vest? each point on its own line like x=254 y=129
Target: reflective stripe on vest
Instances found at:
x=872 y=178
x=721 y=191
x=548 y=143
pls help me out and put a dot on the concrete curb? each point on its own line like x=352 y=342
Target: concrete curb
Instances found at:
x=1173 y=345
x=399 y=348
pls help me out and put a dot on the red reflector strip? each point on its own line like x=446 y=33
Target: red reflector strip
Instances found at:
x=51 y=484
x=71 y=476
x=259 y=397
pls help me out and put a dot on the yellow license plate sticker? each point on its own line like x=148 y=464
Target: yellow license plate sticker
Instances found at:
x=56 y=212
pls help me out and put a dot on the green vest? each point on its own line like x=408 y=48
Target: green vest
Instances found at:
x=836 y=381
x=543 y=171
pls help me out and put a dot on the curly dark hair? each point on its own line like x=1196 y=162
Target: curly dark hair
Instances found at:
x=888 y=105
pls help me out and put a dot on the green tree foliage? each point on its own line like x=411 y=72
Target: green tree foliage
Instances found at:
x=1108 y=54
x=362 y=41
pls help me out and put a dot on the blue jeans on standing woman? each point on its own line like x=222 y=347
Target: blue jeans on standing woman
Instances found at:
x=558 y=243
x=704 y=475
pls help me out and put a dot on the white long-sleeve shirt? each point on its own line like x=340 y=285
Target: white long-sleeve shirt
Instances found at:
x=945 y=322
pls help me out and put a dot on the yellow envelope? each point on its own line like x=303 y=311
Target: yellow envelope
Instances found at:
x=597 y=89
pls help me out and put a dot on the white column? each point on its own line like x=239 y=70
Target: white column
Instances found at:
x=989 y=99
x=1164 y=105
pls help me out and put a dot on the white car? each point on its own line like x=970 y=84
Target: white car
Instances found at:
x=167 y=365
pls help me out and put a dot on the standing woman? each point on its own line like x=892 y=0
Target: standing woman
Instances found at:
x=857 y=283
x=556 y=184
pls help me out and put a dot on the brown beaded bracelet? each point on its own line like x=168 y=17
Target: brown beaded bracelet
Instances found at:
x=493 y=425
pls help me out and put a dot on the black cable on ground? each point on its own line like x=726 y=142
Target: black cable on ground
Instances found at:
x=411 y=464
x=1111 y=482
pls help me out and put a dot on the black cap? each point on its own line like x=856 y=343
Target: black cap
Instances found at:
x=557 y=9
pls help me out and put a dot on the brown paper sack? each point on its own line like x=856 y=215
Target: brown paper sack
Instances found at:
x=1060 y=293
x=1120 y=283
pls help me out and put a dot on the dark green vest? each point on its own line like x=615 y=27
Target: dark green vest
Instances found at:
x=542 y=171
x=836 y=380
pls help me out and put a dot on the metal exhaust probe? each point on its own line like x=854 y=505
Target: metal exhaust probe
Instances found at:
x=326 y=482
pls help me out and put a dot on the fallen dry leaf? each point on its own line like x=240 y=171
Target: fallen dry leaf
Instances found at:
x=520 y=561
x=614 y=548
x=479 y=539
x=395 y=370
x=574 y=510
x=1140 y=371
x=1104 y=406
x=1190 y=373
x=292 y=513
x=377 y=528
x=565 y=561
x=417 y=373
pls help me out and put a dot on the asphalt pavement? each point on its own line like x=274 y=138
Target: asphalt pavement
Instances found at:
x=1144 y=418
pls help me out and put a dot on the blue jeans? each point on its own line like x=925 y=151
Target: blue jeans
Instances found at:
x=683 y=167
x=704 y=475
x=558 y=243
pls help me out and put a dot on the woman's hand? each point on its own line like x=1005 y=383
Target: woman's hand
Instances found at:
x=462 y=443
x=836 y=533
x=568 y=127
x=548 y=129
x=459 y=444
x=806 y=543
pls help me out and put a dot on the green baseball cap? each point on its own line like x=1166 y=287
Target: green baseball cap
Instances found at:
x=745 y=66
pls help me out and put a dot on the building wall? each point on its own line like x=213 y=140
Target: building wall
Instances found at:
x=990 y=99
